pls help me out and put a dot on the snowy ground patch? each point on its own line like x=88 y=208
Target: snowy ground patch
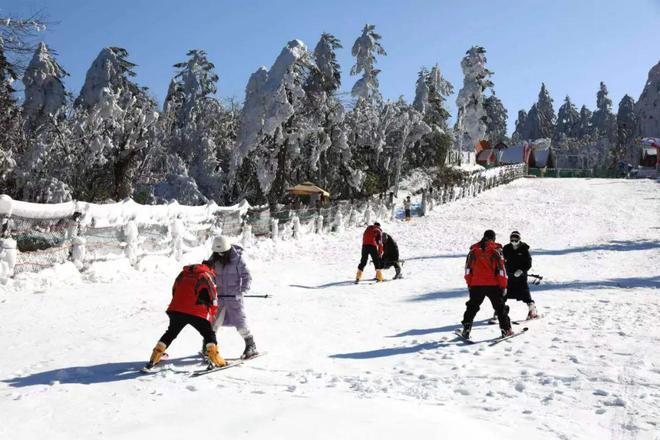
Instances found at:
x=366 y=361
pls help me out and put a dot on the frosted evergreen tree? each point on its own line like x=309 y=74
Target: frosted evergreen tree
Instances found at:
x=518 y=133
x=12 y=141
x=439 y=91
x=648 y=105
x=496 y=119
x=627 y=123
x=584 y=128
x=470 y=125
x=272 y=129
x=45 y=95
x=421 y=101
x=602 y=120
x=541 y=117
x=365 y=49
x=568 y=120
x=114 y=128
x=327 y=155
x=404 y=127
x=195 y=142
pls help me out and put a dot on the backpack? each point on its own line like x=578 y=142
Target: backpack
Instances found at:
x=194 y=292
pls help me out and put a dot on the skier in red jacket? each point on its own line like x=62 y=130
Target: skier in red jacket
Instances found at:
x=372 y=244
x=485 y=275
x=194 y=302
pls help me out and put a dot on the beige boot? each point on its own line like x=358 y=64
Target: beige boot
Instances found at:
x=358 y=276
x=379 y=276
x=214 y=355
x=156 y=354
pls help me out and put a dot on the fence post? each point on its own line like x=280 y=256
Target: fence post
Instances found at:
x=339 y=220
x=319 y=224
x=7 y=255
x=352 y=216
x=295 y=225
x=423 y=210
x=246 y=238
x=177 y=231
x=274 y=229
x=367 y=214
x=131 y=236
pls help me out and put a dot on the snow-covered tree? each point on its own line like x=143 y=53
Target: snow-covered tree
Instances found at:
x=327 y=158
x=470 y=125
x=365 y=49
x=584 y=128
x=45 y=95
x=439 y=91
x=195 y=139
x=270 y=134
x=496 y=118
x=648 y=105
x=421 y=101
x=12 y=141
x=568 y=120
x=603 y=120
x=405 y=127
x=113 y=129
x=541 y=117
x=627 y=123
x=518 y=133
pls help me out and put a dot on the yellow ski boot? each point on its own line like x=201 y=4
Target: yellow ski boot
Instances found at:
x=358 y=276
x=214 y=356
x=156 y=354
x=379 y=276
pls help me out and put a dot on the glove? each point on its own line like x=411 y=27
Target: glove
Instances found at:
x=517 y=273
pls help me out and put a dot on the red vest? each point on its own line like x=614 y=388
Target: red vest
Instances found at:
x=194 y=292
x=373 y=236
x=485 y=267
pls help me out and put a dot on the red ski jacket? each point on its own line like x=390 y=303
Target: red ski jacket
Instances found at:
x=485 y=267
x=194 y=292
x=373 y=236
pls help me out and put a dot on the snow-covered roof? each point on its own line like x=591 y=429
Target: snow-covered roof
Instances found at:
x=515 y=154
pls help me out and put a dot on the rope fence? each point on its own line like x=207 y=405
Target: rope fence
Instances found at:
x=36 y=236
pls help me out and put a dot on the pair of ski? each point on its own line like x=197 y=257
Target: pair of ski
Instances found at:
x=518 y=322
x=493 y=341
x=210 y=369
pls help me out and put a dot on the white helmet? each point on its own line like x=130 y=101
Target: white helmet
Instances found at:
x=220 y=244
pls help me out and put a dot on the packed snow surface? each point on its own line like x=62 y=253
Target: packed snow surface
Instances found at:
x=368 y=361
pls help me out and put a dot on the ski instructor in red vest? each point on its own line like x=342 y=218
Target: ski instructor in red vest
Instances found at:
x=486 y=277
x=372 y=245
x=194 y=302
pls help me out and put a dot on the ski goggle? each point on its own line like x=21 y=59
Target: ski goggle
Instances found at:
x=515 y=240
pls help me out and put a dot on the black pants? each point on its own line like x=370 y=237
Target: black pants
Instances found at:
x=367 y=250
x=179 y=320
x=406 y=213
x=494 y=294
x=518 y=289
x=386 y=264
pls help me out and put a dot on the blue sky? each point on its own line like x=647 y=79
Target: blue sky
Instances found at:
x=571 y=45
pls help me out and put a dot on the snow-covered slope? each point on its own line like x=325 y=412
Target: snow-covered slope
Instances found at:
x=367 y=361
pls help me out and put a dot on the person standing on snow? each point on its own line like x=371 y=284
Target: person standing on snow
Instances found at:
x=233 y=279
x=391 y=255
x=518 y=261
x=372 y=245
x=486 y=277
x=194 y=302
x=406 y=208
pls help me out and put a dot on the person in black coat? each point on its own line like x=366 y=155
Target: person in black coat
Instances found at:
x=518 y=261
x=391 y=255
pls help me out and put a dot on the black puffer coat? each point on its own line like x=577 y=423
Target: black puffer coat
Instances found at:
x=390 y=251
x=517 y=259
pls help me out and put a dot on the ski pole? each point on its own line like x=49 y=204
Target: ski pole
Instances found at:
x=245 y=296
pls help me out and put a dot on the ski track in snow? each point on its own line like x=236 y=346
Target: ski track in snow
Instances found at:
x=381 y=360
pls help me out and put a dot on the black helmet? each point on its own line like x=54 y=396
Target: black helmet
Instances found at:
x=489 y=234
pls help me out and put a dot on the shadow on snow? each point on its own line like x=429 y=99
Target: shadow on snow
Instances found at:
x=92 y=374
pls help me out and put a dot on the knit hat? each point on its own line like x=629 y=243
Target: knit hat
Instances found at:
x=489 y=234
x=515 y=234
x=220 y=244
